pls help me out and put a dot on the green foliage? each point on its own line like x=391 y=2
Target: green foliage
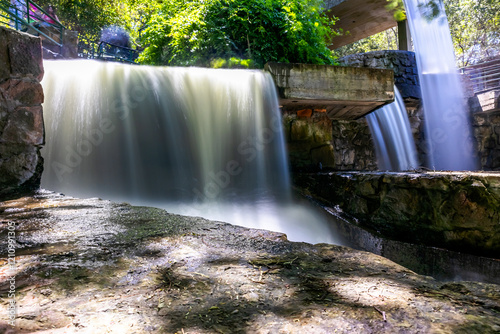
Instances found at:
x=398 y=7
x=232 y=62
x=226 y=33
x=385 y=40
x=87 y=17
x=475 y=29
x=202 y=32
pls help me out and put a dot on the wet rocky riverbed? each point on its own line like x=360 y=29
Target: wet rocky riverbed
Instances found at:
x=93 y=266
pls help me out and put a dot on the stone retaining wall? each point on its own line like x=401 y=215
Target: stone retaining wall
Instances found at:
x=487 y=132
x=457 y=211
x=21 y=118
x=315 y=142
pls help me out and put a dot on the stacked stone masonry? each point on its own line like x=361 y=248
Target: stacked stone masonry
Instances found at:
x=21 y=118
x=315 y=142
x=487 y=132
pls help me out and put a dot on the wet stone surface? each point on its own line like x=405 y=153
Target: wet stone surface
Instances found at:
x=93 y=266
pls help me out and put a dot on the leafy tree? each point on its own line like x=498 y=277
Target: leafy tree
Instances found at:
x=385 y=40
x=475 y=29
x=88 y=17
x=398 y=8
x=201 y=32
x=135 y=16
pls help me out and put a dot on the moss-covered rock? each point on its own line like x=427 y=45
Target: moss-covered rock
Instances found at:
x=458 y=211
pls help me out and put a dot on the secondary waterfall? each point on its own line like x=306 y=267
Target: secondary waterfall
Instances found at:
x=194 y=141
x=448 y=129
x=392 y=137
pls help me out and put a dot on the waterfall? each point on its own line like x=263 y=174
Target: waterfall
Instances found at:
x=195 y=141
x=392 y=137
x=447 y=122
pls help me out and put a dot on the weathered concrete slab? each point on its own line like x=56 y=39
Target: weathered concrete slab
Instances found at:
x=404 y=65
x=344 y=92
x=358 y=19
x=490 y=101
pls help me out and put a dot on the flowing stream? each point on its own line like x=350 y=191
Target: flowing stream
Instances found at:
x=448 y=127
x=392 y=137
x=195 y=141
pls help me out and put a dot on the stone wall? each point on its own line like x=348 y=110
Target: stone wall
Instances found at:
x=308 y=136
x=21 y=118
x=457 y=211
x=315 y=142
x=353 y=146
x=487 y=132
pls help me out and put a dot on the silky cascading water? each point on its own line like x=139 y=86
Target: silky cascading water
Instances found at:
x=195 y=141
x=448 y=128
x=392 y=137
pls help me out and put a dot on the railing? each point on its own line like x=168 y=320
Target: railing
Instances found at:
x=484 y=76
x=27 y=16
x=107 y=51
x=112 y=52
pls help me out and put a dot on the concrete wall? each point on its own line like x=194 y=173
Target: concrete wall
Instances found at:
x=343 y=92
x=358 y=19
x=323 y=112
x=21 y=118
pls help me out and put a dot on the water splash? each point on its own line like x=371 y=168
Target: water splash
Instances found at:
x=392 y=137
x=196 y=141
x=447 y=121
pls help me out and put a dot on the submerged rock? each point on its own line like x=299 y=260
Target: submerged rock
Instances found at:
x=94 y=266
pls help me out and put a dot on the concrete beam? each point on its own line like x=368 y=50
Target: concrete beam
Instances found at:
x=344 y=92
x=358 y=19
